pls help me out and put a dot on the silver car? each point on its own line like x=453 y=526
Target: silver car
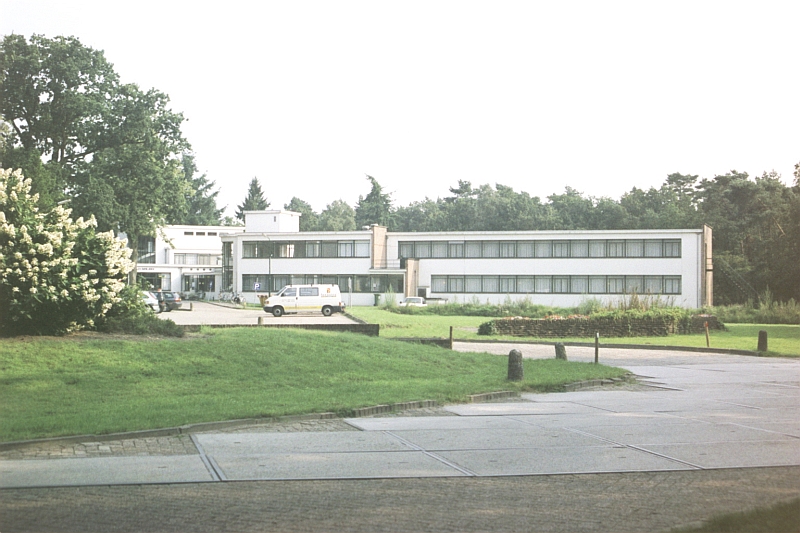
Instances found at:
x=151 y=301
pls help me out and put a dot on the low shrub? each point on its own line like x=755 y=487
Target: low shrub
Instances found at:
x=131 y=316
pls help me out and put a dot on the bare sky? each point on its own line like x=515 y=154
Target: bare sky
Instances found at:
x=309 y=96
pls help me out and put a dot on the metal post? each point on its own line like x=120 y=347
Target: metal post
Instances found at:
x=708 y=341
x=451 y=337
x=596 y=347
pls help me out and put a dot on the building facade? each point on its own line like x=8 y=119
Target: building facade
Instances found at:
x=186 y=259
x=555 y=268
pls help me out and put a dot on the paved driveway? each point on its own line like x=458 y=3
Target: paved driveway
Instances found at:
x=205 y=313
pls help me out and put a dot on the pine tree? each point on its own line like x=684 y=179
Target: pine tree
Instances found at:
x=254 y=201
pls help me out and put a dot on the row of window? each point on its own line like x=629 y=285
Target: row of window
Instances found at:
x=197 y=259
x=557 y=284
x=525 y=249
x=303 y=249
x=200 y=233
x=349 y=283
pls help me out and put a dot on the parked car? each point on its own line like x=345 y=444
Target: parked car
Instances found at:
x=168 y=300
x=151 y=301
x=413 y=301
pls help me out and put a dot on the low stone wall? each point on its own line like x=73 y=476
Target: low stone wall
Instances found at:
x=607 y=327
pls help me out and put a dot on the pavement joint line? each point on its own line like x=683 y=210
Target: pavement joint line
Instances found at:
x=432 y=455
x=217 y=469
x=203 y=457
x=645 y=450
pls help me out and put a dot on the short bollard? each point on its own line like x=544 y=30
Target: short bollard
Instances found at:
x=261 y=321
x=762 y=341
x=561 y=351
x=515 y=371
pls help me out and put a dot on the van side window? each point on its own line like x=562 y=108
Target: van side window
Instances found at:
x=289 y=292
x=309 y=291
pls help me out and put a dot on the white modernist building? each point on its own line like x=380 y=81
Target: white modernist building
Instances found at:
x=186 y=259
x=557 y=268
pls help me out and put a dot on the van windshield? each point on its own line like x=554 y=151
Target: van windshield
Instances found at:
x=288 y=291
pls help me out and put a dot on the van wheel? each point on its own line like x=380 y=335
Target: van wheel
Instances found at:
x=278 y=311
x=327 y=311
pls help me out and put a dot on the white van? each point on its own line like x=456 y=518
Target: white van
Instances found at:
x=305 y=299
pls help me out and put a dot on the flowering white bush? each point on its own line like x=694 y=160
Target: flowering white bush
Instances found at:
x=56 y=275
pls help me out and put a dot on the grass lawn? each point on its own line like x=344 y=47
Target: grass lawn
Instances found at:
x=95 y=384
x=783 y=339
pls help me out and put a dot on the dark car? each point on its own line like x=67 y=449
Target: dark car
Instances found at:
x=168 y=300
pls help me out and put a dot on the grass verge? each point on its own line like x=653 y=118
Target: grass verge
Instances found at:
x=784 y=340
x=96 y=384
x=782 y=518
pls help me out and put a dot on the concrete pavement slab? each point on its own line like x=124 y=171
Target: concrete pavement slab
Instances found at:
x=103 y=471
x=519 y=408
x=432 y=422
x=496 y=439
x=310 y=442
x=733 y=454
x=558 y=460
x=333 y=466
x=605 y=419
x=698 y=433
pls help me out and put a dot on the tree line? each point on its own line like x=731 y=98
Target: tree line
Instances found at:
x=116 y=152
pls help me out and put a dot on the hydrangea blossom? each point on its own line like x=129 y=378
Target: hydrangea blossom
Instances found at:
x=56 y=274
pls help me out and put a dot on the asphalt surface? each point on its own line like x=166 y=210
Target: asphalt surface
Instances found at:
x=225 y=314
x=704 y=434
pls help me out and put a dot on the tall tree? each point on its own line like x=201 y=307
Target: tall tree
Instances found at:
x=337 y=216
x=375 y=208
x=254 y=201
x=309 y=220
x=200 y=205
x=111 y=148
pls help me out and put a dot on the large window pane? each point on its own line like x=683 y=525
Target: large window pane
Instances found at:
x=473 y=284
x=634 y=284
x=508 y=284
x=672 y=248
x=491 y=249
x=597 y=248
x=491 y=284
x=422 y=249
x=579 y=285
x=406 y=250
x=672 y=284
x=525 y=249
x=560 y=248
x=507 y=249
x=525 y=284
x=597 y=284
x=439 y=283
x=579 y=248
x=652 y=284
x=456 y=249
x=473 y=249
x=543 y=284
x=249 y=249
x=346 y=249
x=616 y=284
x=329 y=249
x=652 y=248
x=312 y=249
x=544 y=249
x=439 y=249
x=561 y=284
x=283 y=249
x=634 y=248
x=455 y=284
x=615 y=249
x=362 y=249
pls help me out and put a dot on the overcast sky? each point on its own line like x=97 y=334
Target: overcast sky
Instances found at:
x=309 y=96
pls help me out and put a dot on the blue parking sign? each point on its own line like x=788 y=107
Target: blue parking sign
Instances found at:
x=256 y=286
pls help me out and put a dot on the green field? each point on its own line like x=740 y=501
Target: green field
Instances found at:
x=95 y=384
x=784 y=340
